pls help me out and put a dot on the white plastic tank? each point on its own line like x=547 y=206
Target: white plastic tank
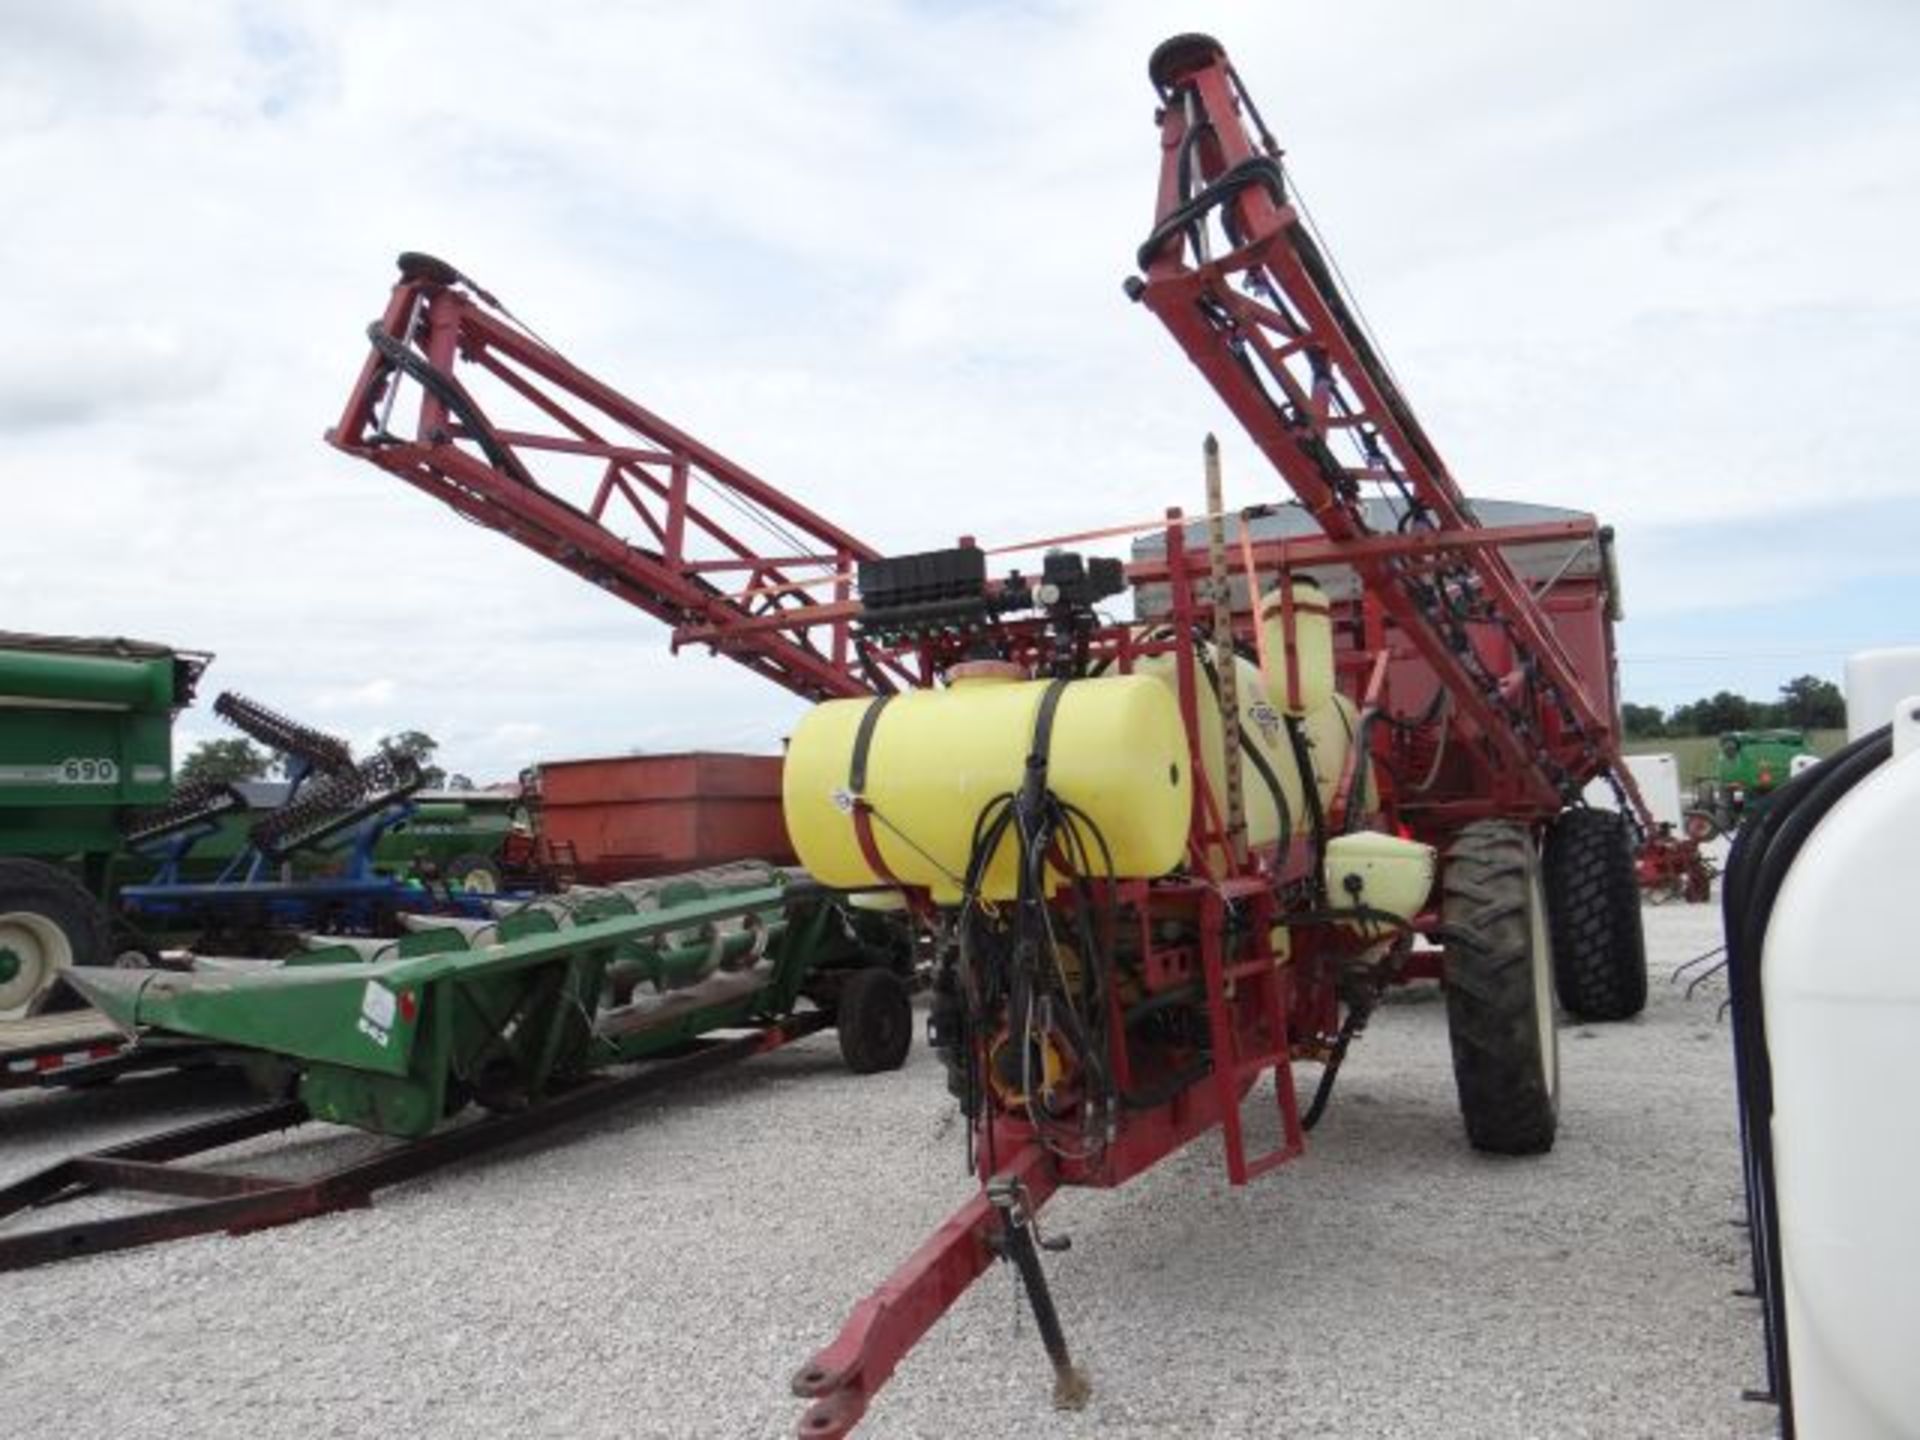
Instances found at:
x=1875 y=681
x=1658 y=777
x=1841 y=986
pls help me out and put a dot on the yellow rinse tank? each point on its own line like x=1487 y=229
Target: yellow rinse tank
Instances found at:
x=1328 y=731
x=1310 y=685
x=936 y=758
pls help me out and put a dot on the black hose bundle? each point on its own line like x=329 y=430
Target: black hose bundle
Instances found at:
x=1010 y=954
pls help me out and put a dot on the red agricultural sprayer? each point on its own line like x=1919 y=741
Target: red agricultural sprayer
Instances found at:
x=1340 y=743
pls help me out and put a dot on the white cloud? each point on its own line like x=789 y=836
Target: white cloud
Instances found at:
x=874 y=253
x=373 y=695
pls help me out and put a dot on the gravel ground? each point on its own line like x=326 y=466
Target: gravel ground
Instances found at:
x=663 y=1271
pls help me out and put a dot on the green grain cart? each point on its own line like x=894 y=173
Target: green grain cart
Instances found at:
x=86 y=737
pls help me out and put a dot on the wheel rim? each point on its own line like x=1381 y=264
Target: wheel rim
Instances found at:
x=1544 y=1009
x=39 y=949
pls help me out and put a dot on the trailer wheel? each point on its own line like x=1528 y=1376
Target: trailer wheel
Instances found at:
x=1593 y=901
x=1700 y=826
x=874 y=1015
x=473 y=874
x=48 y=922
x=1499 y=984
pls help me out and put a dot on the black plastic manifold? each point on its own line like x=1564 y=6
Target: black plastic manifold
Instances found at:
x=336 y=802
x=326 y=753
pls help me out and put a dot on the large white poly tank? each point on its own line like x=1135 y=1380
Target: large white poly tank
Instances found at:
x=1658 y=777
x=1841 y=986
x=1876 y=680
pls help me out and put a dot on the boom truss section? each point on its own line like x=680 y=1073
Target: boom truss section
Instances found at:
x=594 y=482
x=1234 y=272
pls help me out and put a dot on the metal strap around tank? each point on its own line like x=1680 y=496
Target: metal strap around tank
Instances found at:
x=862 y=811
x=1041 y=755
x=1043 y=724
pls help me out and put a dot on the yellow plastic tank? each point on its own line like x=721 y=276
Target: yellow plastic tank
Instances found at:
x=1306 y=685
x=1381 y=872
x=1328 y=731
x=935 y=759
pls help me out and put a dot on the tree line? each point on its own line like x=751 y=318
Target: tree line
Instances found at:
x=1806 y=703
x=231 y=760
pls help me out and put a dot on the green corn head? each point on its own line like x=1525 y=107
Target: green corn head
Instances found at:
x=504 y=1013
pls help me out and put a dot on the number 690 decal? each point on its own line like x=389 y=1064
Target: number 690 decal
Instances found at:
x=88 y=770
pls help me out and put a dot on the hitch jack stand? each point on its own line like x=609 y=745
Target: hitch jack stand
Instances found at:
x=1020 y=1241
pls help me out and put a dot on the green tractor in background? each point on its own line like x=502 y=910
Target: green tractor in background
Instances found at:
x=1752 y=765
x=86 y=739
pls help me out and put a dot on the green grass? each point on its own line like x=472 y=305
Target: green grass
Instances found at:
x=1697 y=754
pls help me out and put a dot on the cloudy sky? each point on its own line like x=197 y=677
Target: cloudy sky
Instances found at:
x=1651 y=260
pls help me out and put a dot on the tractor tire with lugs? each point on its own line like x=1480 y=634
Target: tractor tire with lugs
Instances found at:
x=1593 y=901
x=1499 y=986
x=874 y=1017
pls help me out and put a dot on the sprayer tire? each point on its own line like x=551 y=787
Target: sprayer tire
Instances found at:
x=1593 y=900
x=55 y=923
x=1499 y=986
x=874 y=1017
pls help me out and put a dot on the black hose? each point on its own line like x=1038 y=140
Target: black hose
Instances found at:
x=1357 y=1016
x=1282 y=810
x=1310 y=787
x=1255 y=170
x=452 y=394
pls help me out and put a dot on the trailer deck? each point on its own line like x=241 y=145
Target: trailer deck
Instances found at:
x=84 y=1047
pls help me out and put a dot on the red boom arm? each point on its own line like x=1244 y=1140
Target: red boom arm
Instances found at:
x=684 y=564
x=1232 y=271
